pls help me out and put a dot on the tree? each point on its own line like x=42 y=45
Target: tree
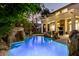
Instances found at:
x=45 y=11
x=10 y=13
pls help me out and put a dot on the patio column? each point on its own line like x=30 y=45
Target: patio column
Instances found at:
x=41 y=28
x=46 y=27
x=65 y=25
x=73 y=21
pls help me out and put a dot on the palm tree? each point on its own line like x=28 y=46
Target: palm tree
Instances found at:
x=45 y=11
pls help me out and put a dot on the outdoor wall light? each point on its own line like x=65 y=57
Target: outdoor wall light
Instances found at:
x=76 y=21
x=69 y=22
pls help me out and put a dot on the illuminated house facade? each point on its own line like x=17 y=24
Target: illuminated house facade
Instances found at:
x=66 y=18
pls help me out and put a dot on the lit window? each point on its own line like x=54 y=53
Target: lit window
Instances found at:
x=64 y=10
x=70 y=27
x=52 y=27
x=77 y=25
x=71 y=10
x=77 y=16
x=76 y=21
x=70 y=22
x=57 y=13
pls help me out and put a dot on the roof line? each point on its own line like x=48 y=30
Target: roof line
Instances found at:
x=62 y=8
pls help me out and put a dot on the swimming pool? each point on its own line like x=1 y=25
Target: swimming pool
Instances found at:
x=39 y=46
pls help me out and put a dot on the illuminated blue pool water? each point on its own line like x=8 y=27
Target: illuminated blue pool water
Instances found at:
x=39 y=46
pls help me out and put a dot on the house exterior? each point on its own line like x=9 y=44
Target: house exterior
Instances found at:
x=65 y=18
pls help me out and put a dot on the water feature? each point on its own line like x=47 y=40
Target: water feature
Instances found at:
x=39 y=46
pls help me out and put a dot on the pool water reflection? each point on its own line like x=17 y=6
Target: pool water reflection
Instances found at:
x=39 y=46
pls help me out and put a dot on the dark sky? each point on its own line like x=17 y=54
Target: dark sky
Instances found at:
x=54 y=6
